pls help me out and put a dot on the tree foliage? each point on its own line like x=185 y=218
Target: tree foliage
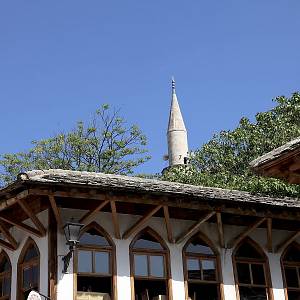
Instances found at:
x=106 y=144
x=224 y=160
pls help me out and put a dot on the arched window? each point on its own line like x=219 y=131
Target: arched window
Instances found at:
x=5 y=276
x=291 y=265
x=202 y=277
x=28 y=269
x=149 y=261
x=95 y=263
x=251 y=271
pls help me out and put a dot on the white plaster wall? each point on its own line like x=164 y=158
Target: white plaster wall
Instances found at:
x=42 y=244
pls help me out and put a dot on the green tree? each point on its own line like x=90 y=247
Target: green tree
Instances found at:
x=224 y=160
x=106 y=144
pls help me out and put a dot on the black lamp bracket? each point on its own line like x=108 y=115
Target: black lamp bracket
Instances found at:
x=66 y=259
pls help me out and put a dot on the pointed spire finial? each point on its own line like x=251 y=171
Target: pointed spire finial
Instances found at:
x=173 y=85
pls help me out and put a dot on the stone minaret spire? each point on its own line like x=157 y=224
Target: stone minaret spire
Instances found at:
x=177 y=134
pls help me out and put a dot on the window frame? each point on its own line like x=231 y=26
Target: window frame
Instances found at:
x=21 y=265
x=111 y=249
x=164 y=252
x=200 y=257
x=5 y=274
x=289 y=264
x=260 y=261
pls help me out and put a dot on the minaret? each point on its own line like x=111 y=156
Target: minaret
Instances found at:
x=177 y=134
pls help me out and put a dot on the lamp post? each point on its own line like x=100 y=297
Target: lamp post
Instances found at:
x=72 y=232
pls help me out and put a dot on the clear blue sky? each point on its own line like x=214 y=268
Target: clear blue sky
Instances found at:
x=59 y=60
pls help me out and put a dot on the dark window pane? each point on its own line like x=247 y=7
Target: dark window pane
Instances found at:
x=27 y=278
x=84 y=261
x=31 y=253
x=258 y=274
x=34 y=276
x=251 y=293
x=243 y=272
x=102 y=262
x=208 y=269
x=146 y=241
x=4 y=265
x=6 y=286
x=246 y=250
x=157 y=266
x=293 y=254
x=199 y=246
x=140 y=265
x=293 y=295
x=291 y=277
x=203 y=291
x=193 y=268
x=93 y=237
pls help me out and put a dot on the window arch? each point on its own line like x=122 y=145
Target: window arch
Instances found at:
x=149 y=257
x=28 y=269
x=291 y=271
x=5 y=276
x=95 y=263
x=251 y=271
x=201 y=269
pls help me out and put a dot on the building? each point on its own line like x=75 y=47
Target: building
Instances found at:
x=144 y=239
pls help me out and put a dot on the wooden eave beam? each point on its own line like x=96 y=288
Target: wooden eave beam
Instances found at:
x=22 y=226
x=32 y=216
x=287 y=241
x=7 y=245
x=220 y=230
x=246 y=232
x=90 y=214
x=56 y=212
x=192 y=229
x=168 y=224
x=269 y=235
x=141 y=222
x=8 y=235
x=115 y=219
x=10 y=201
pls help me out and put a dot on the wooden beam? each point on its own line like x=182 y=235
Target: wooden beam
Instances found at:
x=90 y=214
x=53 y=255
x=22 y=226
x=32 y=216
x=220 y=230
x=287 y=241
x=137 y=226
x=7 y=245
x=10 y=201
x=246 y=232
x=8 y=235
x=56 y=212
x=115 y=219
x=192 y=229
x=168 y=225
x=269 y=235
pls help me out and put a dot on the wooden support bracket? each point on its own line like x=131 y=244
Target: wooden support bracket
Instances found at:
x=194 y=227
x=168 y=225
x=56 y=212
x=287 y=241
x=8 y=236
x=220 y=230
x=269 y=235
x=90 y=214
x=115 y=219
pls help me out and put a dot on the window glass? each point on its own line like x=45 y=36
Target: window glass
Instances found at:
x=31 y=253
x=4 y=286
x=246 y=250
x=140 y=265
x=209 y=270
x=156 y=266
x=291 y=276
x=84 y=261
x=258 y=274
x=243 y=272
x=199 y=246
x=293 y=254
x=102 y=262
x=146 y=241
x=294 y=295
x=93 y=237
x=252 y=293
x=27 y=278
x=193 y=267
x=4 y=265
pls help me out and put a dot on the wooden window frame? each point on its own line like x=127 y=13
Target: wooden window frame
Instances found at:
x=289 y=264
x=151 y=252
x=6 y=274
x=111 y=249
x=214 y=257
x=21 y=264
x=261 y=261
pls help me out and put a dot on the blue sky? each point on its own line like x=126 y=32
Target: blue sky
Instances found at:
x=60 y=60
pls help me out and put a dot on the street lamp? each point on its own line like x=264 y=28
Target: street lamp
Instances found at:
x=72 y=232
